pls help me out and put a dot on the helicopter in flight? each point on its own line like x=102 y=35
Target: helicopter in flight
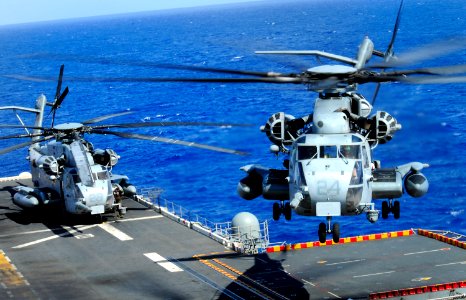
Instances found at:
x=67 y=170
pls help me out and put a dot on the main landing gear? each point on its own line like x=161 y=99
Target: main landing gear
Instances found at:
x=281 y=208
x=325 y=228
x=391 y=207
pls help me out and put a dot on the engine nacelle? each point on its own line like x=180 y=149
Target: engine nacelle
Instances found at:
x=106 y=157
x=49 y=164
x=416 y=185
x=27 y=197
x=276 y=129
x=276 y=186
x=387 y=183
x=250 y=187
x=385 y=127
x=25 y=200
x=272 y=184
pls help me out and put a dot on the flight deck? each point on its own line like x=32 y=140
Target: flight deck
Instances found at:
x=147 y=255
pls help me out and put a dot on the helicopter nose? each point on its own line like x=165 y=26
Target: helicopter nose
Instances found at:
x=330 y=181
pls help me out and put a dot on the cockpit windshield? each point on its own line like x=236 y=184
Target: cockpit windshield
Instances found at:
x=350 y=151
x=306 y=152
x=328 y=151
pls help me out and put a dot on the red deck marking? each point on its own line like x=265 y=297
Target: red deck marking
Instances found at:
x=418 y=290
x=442 y=238
x=354 y=239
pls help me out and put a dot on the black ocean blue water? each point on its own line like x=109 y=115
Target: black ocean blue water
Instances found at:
x=432 y=116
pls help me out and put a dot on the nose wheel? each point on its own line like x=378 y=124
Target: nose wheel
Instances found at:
x=391 y=207
x=328 y=228
x=281 y=208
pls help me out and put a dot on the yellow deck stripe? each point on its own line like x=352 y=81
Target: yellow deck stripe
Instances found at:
x=9 y=275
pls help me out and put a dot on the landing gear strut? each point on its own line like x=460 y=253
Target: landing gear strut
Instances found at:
x=281 y=208
x=325 y=228
x=391 y=207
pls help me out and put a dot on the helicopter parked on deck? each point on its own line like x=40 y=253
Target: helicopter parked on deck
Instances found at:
x=67 y=170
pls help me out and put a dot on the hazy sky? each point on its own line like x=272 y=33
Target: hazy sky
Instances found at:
x=25 y=11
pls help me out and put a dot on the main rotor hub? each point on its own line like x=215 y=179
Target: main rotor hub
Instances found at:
x=68 y=127
x=332 y=69
x=67 y=132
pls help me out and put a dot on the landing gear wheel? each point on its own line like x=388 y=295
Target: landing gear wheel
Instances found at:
x=336 y=232
x=276 y=211
x=322 y=232
x=385 y=210
x=396 y=209
x=287 y=211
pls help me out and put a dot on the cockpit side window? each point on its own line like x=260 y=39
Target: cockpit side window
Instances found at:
x=101 y=175
x=350 y=151
x=307 y=152
x=365 y=157
x=328 y=151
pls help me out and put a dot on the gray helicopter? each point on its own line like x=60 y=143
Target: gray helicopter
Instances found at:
x=68 y=171
x=329 y=168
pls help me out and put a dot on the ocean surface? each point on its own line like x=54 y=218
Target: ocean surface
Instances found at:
x=204 y=182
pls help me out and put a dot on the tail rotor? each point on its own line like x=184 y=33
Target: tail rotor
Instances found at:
x=59 y=96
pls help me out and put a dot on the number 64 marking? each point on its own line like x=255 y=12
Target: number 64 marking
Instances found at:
x=325 y=188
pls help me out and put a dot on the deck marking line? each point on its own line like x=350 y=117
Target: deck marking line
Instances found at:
x=9 y=274
x=139 y=219
x=308 y=282
x=115 y=232
x=346 y=262
x=428 y=251
x=67 y=232
x=163 y=262
x=208 y=281
x=43 y=230
x=336 y=296
x=453 y=263
x=228 y=267
x=236 y=278
x=373 y=274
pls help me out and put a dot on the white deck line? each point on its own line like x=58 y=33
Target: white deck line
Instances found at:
x=115 y=232
x=162 y=261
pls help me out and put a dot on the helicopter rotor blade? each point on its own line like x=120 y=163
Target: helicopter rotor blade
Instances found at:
x=168 y=140
x=389 y=52
x=25 y=144
x=151 y=64
x=222 y=71
x=60 y=80
x=20 y=126
x=444 y=70
x=163 y=124
x=60 y=99
x=16 y=136
x=434 y=79
x=105 y=117
x=376 y=93
x=424 y=53
x=206 y=80
x=57 y=104
x=279 y=79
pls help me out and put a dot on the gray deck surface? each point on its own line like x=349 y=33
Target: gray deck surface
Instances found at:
x=82 y=259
